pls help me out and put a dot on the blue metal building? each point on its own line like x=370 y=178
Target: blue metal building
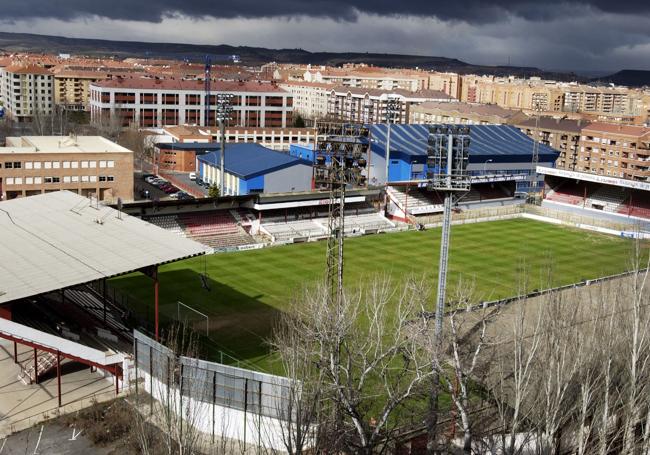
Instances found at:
x=252 y=168
x=494 y=150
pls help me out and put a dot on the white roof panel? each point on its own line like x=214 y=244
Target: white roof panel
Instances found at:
x=55 y=240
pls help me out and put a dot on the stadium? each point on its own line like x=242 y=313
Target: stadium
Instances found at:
x=99 y=286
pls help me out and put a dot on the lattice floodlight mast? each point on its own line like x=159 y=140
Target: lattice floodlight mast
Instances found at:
x=340 y=161
x=224 y=111
x=448 y=155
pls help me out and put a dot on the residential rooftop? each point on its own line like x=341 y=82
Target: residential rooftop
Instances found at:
x=61 y=144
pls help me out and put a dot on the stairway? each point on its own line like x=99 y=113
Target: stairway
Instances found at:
x=46 y=361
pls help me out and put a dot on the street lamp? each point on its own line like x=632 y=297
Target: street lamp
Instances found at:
x=485 y=165
x=393 y=109
x=224 y=109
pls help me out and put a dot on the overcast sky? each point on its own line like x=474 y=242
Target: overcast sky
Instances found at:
x=551 y=34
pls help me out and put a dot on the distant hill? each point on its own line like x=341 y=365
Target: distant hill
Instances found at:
x=631 y=78
x=25 y=42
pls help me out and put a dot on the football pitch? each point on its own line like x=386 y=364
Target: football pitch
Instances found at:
x=249 y=289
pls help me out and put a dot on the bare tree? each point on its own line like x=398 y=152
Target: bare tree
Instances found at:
x=367 y=355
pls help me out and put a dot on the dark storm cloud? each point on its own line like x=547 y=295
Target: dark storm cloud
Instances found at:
x=473 y=11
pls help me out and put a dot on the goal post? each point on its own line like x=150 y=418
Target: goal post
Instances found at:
x=192 y=317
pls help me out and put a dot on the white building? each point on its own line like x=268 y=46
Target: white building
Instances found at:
x=150 y=102
x=309 y=98
x=26 y=91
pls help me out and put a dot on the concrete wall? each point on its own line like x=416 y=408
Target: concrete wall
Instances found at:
x=293 y=178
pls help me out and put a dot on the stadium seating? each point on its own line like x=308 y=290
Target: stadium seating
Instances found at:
x=607 y=198
x=168 y=222
x=638 y=205
x=294 y=229
x=217 y=229
x=365 y=222
x=567 y=193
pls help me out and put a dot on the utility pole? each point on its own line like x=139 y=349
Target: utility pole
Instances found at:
x=448 y=155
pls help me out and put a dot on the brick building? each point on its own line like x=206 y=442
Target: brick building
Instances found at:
x=26 y=91
x=615 y=150
x=87 y=165
x=561 y=134
x=151 y=102
x=370 y=105
x=464 y=113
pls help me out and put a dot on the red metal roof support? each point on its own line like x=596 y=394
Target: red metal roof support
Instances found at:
x=35 y=366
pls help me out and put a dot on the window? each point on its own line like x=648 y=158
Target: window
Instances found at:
x=47 y=164
x=9 y=165
x=37 y=164
x=102 y=164
x=66 y=179
x=38 y=180
x=18 y=180
x=92 y=164
x=56 y=179
x=47 y=179
x=75 y=178
x=84 y=178
x=29 y=180
x=102 y=178
x=17 y=164
x=84 y=164
x=29 y=165
x=93 y=178
x=110 y=178
x=74 y=164
x=9 y=180
x=56 y=164
x=66 y=165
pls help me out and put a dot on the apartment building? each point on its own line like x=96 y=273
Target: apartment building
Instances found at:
x=615 y=150
x=371 y=105
x=273 y=138
x=512 y=93
x=449 y=83
x=560 y=133
x=359 y=76
x=87 y=165
x=464 y=113
x=310 y=99
x=607 y=100
x=72 y=87
x=151 y=102
x=26 y=91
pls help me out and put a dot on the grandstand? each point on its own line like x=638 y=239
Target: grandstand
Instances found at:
x=618 y=200
x=408 y=200
x=58 y=250
x=216 y=229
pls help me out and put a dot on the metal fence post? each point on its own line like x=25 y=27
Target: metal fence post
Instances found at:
x=135 y=354
x=245 y=408
x=214 y=401
x=180 y=394
x=259 y=415
x=151 y=379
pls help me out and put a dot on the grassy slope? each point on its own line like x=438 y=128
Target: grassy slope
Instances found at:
x=250 y=288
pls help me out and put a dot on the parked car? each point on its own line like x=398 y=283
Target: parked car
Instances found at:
x=192 y=175
x=199 y=181
x=150 y=178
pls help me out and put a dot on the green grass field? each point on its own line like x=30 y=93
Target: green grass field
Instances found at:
x=250 y=288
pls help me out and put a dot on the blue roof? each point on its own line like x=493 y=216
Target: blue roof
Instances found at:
x=501 y=143
x=248 y=160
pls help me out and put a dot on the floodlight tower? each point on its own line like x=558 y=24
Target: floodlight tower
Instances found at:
x=340 y=161
x=224 y=109
x=447 y=158
x=535 y=160
x=393 y=111
x=207 y=81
